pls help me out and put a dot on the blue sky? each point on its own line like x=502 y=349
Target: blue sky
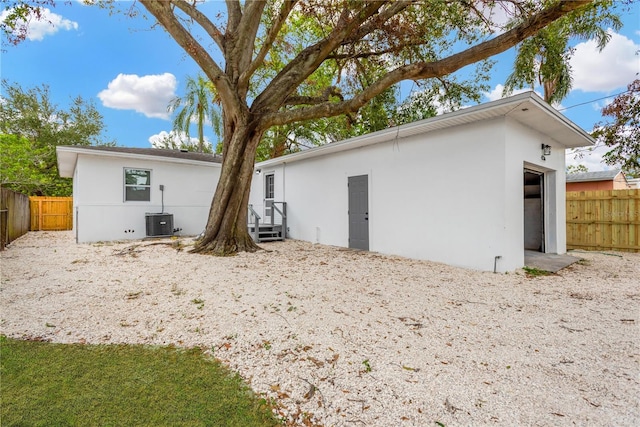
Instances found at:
x=131 y=70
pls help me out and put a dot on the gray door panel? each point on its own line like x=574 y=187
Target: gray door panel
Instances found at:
x=359 y=212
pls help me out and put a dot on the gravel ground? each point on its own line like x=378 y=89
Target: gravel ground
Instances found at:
x=345 y=338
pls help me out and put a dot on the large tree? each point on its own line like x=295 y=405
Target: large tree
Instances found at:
x=31 y=126
x=417 y=39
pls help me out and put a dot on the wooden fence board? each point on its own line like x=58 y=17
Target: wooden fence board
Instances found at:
x=605 y=219
x=51 y=213
x=14 y=216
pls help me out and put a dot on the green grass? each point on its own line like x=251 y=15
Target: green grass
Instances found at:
x=45 y=384
x=535 y=272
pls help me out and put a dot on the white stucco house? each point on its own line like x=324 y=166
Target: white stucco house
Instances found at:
x=130 y=193
x=474 y=188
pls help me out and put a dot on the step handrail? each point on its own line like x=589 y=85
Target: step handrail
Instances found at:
x=283 y=215
x=256 y=230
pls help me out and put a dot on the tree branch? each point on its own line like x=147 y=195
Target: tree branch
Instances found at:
x=234 y=12
x=329 y=92
x=364 y=55
x=203 y=21
x=307 y=61
x=163 y=13
x=395 y=8
x=425 y=70
x=272 y=33
x=239 y=58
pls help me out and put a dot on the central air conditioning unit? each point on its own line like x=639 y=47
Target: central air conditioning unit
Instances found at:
x=159 y=224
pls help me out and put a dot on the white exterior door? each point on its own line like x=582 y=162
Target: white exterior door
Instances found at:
x=269 y=194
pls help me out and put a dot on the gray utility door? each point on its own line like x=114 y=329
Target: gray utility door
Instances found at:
x=359 y=212
x=533 y=210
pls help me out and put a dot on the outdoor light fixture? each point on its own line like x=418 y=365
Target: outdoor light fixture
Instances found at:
x=546 y=151
x=258 y=171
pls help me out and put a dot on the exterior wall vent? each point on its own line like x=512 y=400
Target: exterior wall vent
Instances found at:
x=159 y=224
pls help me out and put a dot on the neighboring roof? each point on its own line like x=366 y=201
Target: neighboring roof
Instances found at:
x=526 y=108
x=609 y=175
x=68 y=155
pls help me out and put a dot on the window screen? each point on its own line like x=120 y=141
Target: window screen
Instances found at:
x=137 y=185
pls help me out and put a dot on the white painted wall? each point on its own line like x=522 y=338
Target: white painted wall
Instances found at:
x=524 y=150
x=453 y=196
x=103 y=215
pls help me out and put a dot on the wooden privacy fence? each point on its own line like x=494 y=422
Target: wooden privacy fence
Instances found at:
x=607 y=220
x=51 y=213
x=14 y=216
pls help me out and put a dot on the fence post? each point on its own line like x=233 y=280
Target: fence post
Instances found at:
x=40 y=216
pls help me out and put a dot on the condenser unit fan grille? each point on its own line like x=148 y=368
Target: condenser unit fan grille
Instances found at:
x=159 y=224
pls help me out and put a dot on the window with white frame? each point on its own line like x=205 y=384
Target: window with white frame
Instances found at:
x=137 y=185
x=269 y=186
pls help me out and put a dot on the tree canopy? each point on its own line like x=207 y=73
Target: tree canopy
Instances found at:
x=177 y=140
x=199 y=105
x=281 y=62
x=622 y=130
x=573 y=169
x=31 y=127
x=544 y=58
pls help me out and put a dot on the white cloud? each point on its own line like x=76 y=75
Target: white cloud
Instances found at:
x=178 y=139
x=37 y=28
x=148 y=95
x=496 y=93
x=591 y=157
x=499 y=14
x=600 y=104
x=615 y=67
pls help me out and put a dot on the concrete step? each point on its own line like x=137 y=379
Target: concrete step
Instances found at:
x=270 y=239
x=266 y=232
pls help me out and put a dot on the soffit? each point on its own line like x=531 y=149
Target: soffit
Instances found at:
x=526 y=108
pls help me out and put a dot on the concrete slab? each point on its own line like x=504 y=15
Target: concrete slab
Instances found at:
x=548 y=262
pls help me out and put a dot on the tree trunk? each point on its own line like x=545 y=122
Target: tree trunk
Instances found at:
x=549 y=89
x=201 y=119
x=226 y=231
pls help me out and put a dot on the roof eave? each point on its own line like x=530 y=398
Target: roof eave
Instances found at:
x=572 y=135
x=66 y=161
x=67 y=158
x=513 y=106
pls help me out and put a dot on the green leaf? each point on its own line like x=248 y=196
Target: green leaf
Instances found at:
x=31 y=128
